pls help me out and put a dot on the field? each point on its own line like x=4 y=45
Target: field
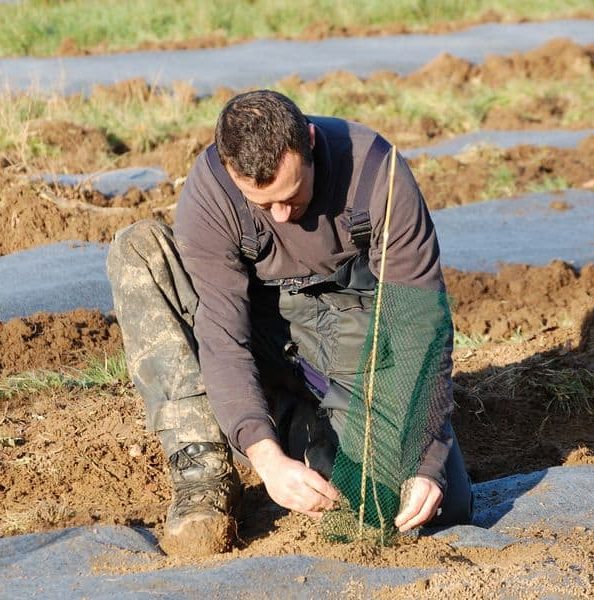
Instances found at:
x=73 y=27
x=73 y=449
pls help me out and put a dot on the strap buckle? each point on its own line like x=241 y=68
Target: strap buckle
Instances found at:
x=360 y=228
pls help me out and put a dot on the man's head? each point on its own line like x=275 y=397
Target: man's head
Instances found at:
x=265 y=143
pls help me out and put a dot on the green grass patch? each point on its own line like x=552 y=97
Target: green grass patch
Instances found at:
x=100 y=372
x=568 y=391
x=144 y=122
x=502 y=184
x=462 y=340
x=38 y=27
x=549 y=184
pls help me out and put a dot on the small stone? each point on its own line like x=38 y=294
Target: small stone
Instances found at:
x=301 y=579
x=580 y=529
x=135 y=451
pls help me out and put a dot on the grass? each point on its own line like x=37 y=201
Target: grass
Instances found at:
x=143 y=121
x=461 y=340
x=502 y=184
x=47 y=512
x=39 y=27
x=100 y=372
x=569 y=391
x=550 y=184
x=565 y=391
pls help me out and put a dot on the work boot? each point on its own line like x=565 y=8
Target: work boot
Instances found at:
x=206 y=494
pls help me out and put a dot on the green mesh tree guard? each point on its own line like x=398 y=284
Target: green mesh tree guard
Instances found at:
x=387 y=433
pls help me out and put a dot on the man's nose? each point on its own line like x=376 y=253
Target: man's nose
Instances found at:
x=280 y=211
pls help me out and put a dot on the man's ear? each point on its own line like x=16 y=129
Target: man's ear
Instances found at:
x=312 y=135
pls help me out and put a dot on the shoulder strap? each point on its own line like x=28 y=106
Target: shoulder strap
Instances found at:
x=250 y=245
x=359 y=222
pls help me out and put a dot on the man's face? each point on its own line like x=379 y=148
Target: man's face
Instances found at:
x=289 y=195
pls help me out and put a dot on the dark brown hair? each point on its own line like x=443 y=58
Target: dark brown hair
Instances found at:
x=255 y=129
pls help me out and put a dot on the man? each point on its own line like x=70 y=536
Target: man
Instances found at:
x=243 y=329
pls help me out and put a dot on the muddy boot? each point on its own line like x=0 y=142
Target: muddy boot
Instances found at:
x=206 y=494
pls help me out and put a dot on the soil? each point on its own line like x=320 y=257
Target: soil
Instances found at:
x=78 y=456
x=35 y=213
x=558 y=59
x=473 y=175
x=55 y=341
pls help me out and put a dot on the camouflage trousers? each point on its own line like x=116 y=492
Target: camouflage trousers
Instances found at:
x=155 y=304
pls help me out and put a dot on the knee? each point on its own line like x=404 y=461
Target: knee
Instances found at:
x=460 y=509
x=458 y=502
x=141 y=240
x=135 y=235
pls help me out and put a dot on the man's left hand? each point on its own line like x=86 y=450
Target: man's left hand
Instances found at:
x=421 y=506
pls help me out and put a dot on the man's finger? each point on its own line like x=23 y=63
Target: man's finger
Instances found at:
x=318 y=483
x=422 y=504
x=414 y=504
x=426 y=513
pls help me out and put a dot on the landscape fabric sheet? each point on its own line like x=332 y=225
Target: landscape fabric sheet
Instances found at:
x=75 y=563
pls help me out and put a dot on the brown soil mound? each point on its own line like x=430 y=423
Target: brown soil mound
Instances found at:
x=175 y=156
x=59 y=146
x=67 y=136
x=528 y=402
x=455 y=180
x=521 y=300
x=444 y=71
x=52 y=341
x=36 y=213
x=559 y=59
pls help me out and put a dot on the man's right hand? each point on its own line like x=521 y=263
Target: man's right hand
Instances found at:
x=289 y=482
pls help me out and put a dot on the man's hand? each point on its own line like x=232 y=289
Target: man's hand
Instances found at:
x=289 y=482
x=421 y=504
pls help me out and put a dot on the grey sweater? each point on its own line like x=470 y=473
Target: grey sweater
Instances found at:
x=207 y=233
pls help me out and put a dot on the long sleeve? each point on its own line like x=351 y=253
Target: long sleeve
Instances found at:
x=205 y=234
